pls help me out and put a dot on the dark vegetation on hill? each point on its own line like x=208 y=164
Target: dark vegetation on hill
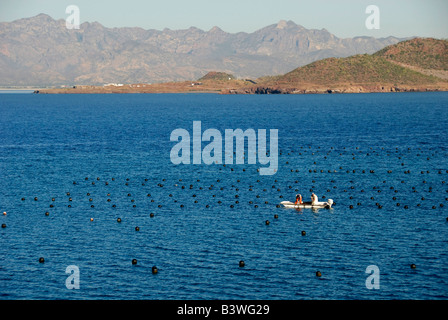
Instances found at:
x=214 y=75
x=426 y=53
x=359 y=69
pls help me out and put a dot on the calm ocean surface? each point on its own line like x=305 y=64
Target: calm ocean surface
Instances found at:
x=110 y=155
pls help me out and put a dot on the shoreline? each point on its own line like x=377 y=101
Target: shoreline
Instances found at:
x=241 y=89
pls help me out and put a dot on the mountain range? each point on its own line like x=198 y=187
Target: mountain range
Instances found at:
x=41 y=51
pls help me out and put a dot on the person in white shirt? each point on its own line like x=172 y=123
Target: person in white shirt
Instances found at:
x=314 y=199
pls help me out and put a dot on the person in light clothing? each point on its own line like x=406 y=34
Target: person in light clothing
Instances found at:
x=314 y=200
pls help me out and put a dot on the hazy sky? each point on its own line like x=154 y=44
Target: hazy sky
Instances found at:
x=344 y=18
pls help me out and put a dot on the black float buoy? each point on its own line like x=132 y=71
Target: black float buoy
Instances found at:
x=151 y=215
x=137 y=229
x=267 y=222
x=318 y=274
x=413 y=266
x=154 y=270
x=41 y=260
x=134 y=261
x=118 y=219
x=303 y=233
x=241 y=264
x=3 y=225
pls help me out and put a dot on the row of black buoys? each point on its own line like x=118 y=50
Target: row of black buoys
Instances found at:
x=241 y=264
x=154 y=269
x=252 y=188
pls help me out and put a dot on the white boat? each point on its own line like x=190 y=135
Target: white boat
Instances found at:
x=308 y=205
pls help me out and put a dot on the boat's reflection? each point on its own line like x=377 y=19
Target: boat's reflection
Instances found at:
x=301 y=210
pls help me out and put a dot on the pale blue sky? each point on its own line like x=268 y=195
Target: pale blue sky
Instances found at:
x=344 y=18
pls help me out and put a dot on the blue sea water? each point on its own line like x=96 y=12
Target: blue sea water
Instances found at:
x=105 y=157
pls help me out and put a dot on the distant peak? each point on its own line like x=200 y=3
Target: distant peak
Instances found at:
x=43 y=15
x=216 y=29
x=282 y=24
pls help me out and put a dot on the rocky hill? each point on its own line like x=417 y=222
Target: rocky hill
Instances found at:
x=404 y=66
x=359 y=69
x=41 y=51
x=425 y=53
x=215 y=75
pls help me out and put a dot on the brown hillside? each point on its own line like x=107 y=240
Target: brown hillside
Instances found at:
x=359 y=69
x=425 y=53
x=214 y=75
